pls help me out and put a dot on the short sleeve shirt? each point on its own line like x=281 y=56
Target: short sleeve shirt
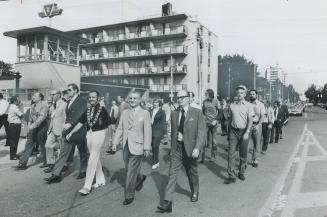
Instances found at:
x=14 y=114
x=210 y=110
x=239 y=113
x=259 y=110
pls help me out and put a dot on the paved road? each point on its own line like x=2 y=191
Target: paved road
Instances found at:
x=291 y=180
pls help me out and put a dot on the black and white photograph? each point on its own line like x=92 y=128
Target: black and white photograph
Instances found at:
x=153 y=108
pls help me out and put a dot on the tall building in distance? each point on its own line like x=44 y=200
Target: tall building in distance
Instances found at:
x=155 y=52
x=275 y=73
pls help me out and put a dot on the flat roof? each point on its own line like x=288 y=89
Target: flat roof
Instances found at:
x=44 y=29
x=153 y=19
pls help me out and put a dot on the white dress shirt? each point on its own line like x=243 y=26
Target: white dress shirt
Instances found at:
x=154 y=112
x=72 y=100
x=3 y=107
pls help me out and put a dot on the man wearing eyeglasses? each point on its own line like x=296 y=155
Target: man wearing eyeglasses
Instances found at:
x=76 y=106
x=57 y=122
x=187 y=138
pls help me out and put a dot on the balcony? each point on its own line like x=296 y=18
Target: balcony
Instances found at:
x=179 y=31
x=166 y=87
x=145 y=71
x=136 y=54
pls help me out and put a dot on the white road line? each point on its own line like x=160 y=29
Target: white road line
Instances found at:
x=269 y=206
x=311 y=199
x=318 y=145
x=289 y=209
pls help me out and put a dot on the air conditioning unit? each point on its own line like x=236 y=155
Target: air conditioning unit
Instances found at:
x=131 y=71
x=179 y=68
x=87 y=56
x=167 y=31
x=142 y=70
x=132 y=52
x=154 y=70
x=167 y=49
x=154 y=32
x=96 y=56
x=143 y=52
x=121 y=54
x=120 y=71
x=180 y=49
x=132 y=35
x=110 y=38
x=154 y=51
x=121 y=36
x=143 y=34
x=167 y=69
x=96 y=40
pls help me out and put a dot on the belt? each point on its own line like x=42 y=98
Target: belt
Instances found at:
x=15 y=123
x=256 y=122
x=238 y=129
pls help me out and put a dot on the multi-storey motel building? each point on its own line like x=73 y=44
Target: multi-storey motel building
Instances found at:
x=161 y=55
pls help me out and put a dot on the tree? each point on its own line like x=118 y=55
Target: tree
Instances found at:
x=233 y=71
x=6 y=69
x=312 y=94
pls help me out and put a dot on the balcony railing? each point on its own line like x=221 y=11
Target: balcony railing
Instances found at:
x=41 y=57
x=135 y=53
x=166 y=87
x=143 y=34
x=154 y=70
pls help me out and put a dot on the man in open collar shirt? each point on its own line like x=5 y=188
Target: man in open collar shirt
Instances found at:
x=37 y=129
x=240 y=124
x=256 y=132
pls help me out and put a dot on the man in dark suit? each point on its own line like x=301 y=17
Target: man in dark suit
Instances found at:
x=159 y=129
x=280 y=116
x=76 y=106
x=188 y=133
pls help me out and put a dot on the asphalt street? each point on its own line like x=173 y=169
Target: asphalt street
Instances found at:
x=291 y=180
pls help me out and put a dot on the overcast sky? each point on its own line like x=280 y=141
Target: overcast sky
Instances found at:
x=290 y=33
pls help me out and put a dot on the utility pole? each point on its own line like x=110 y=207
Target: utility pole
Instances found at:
x=229 y=81
x=171 y=79
x=254 y=76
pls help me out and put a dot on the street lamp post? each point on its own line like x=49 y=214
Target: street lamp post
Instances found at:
x=171 y=79
x=229 y=69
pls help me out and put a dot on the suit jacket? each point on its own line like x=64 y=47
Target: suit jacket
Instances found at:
x=281 y=115
x=194 y=130
x=138 y=134
x=58 y=118
x=159 y=125
x=73 y=114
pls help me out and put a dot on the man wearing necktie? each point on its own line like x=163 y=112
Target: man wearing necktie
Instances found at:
x=188 y=133
x=134 y=130
x=279 y=117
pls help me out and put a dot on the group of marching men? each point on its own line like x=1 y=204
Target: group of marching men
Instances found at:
x=68 y=120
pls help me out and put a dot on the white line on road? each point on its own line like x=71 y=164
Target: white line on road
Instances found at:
x=269 y=206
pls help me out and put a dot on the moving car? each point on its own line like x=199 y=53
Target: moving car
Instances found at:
x=296 y=110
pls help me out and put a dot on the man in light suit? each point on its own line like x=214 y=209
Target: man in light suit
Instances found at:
x=188 y=135
x=57 y=122
x=75 y=108
x=134 y=130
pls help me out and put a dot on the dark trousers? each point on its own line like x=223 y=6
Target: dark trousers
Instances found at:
x=155 y=148
x=265 y=136
x=236 y=142
x=66 y=151
x=223 y=125
x=37 y=135
x=133 y=167
x=275 y=132
x=179 y=159
x=13 y=138
x=212 y=139
x=4 y=122
x=255 y=136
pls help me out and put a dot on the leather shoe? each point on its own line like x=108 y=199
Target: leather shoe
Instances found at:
x=195 y=197
x=167 y=206
x=139 y=185
x=44 y=166
x=64 y=169
x=128 y=201
x=21 y=167
x=81 y=175
x=254 y=164
x=49 y=169
x=53 y=179
x=241 y=176
x=229 y=181
x=111 y=152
